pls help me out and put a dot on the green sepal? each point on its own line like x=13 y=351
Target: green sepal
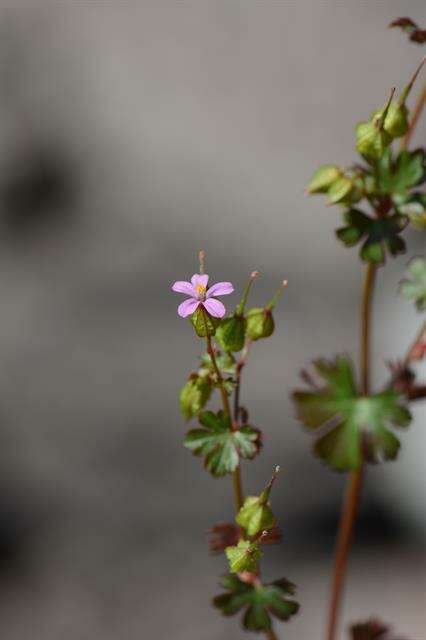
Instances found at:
x=260 y=323
x=379 y=234
x=231 y=333
x=340 y=190
x=323 y=179
x=357 y=425
x=255 y=515
x=221 y=446
x=243 y=556
x=259 y=602
x=414 y=287
x=372 y=140
x=194 y=395
x=203 y=323
x=396 y=121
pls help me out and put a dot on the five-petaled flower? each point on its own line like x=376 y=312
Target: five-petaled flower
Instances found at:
x=200 y=295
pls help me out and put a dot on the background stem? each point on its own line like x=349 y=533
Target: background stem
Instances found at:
x=418 y=108
x=354 y=482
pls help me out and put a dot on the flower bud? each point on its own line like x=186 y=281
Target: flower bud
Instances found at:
x=372 y=139
x=260 y=323
x=324 y=178
x=243 y=556
x=256 y=514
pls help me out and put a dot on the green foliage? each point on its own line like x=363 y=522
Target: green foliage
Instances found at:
x=395 y=178
x=256 y=515
x=414 y=287
x=378 y=234
x=203 y=323
x=243 y=556
x=231 y=333
x=194 y=395
x=260 y=323
x=259 y=602
x=415 y=208
x=220 y=445
x=356 y=424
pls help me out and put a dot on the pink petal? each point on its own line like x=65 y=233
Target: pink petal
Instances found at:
x=220 y=289
x=187 y=307
x=201 y=279
x=214 y=307
x=184 y=287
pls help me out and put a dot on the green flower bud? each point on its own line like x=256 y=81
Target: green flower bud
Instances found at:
x=256 y=514
x=396 y=121
x=260 y=323
x=340 y=190
x=243 y=556
x=323 y=179
x=372 y=139
x=231 y=333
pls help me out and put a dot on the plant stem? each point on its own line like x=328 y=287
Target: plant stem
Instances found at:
x=240 y=366
x=417 y=111
x=354 y=482
x=342 y=548
x=236 y=475
x=421 y=332
x=270 y=633
x=365 y=327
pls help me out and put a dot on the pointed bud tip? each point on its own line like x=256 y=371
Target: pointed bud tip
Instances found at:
x=277 y=469
x=254 y=275
x=285 y=283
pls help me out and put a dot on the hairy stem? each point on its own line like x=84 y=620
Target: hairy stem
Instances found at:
x=417 y=111
x=236 y=475
x=271 y=634
x=354 y=482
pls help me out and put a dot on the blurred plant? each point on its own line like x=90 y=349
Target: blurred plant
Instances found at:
x=224 y=438
x=372 y=630
x=351 y=419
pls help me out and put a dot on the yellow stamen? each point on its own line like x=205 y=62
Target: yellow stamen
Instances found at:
x=201 y=289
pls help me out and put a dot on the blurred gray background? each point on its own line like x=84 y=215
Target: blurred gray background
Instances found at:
x=132 y=135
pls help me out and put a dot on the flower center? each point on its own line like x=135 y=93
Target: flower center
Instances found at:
x=200 y=289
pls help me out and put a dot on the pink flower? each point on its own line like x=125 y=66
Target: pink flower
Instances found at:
x=200 y=295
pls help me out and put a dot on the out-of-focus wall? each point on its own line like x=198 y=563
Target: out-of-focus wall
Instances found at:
x=132 y=135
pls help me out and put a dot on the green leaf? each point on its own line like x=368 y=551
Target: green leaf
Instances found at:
x=203 y=323
x=322 y=179
x=357 y=425
x=243 y=556
x=260 y=323
x=225 y=362
x=220 y=445
x=194 y=396
x=378 y=234
x=231 y=333
x=396 y=178
x=258 y=602
x=414 y=287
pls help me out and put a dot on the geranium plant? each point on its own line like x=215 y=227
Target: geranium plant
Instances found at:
x=379 y=196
